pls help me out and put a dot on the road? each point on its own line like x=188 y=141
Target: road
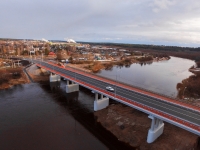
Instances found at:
x=183 y=113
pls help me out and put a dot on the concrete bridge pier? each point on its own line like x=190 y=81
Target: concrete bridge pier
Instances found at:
x=54 y=81
x=101 y=103
x=72 y=87
x=156 y=129
x=54 y=77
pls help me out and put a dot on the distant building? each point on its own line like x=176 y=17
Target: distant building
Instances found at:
x=70 y=41
x=80 y=47
x=122 y=50
x=72 y=48
x=11 y=51
x=127 y=54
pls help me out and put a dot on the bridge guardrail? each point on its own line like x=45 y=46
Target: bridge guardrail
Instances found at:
x=166 y=96
x=152 y=110
x=163 y=114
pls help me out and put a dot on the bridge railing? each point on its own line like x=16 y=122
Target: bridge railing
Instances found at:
x=147 y=108
x=177 y=121
x=131 y=85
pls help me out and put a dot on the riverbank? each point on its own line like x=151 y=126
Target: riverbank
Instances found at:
x=11 y=77
x=131 y=126
x=96 y=66
x=189 y=88
x=16 y=76
x=38 y=74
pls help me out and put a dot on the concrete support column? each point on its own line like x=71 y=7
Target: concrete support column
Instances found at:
x=156 y=129
x=54 y=81
x=157 y=122
x=152 y=124
x=72 y=87
x=101 y=96
x=67 y=82
x=54 y=77
x=96 y=96
x=101 y=103
x=160 y=122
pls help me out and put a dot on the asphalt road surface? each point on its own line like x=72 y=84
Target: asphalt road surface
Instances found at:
x=172 y=109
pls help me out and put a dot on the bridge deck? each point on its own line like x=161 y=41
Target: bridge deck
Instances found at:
x=178 y=113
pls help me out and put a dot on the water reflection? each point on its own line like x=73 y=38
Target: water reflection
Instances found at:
x=55 y=85
x=46 y=114
x=127 y=66
x=159 y=77
x=80 y=106
x=11 y=90
x=145 y=63
x=54 y=120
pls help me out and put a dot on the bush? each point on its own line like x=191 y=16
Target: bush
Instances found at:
x=25 y=52
x=108 y=66
x=46 y=51
x=6 y=75
x=97 y=67
x=193 y=87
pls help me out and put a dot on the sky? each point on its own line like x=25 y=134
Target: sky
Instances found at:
x=159 y=22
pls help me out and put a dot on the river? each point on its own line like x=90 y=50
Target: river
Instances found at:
x=160 y=77
x=33 y=116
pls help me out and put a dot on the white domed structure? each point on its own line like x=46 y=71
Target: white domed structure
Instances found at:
x=71 y=41
x=44 y=40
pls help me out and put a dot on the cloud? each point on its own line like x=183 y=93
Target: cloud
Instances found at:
x=162 y=4
x=147 y=21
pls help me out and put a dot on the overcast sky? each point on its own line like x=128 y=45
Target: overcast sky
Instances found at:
x=163 y=22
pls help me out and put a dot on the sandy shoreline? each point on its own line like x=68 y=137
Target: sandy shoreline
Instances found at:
x=37 y=74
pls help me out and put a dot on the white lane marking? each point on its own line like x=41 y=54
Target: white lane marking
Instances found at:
x=151 y=102
x=166 y=107
x=147 y=98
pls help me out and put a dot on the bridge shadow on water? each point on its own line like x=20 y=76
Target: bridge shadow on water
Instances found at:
x=73 y=104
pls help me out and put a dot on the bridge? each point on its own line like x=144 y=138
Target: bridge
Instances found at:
x=158 y=107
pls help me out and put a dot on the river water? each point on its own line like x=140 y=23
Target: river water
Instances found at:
x=32 y=116
x=160 y=77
